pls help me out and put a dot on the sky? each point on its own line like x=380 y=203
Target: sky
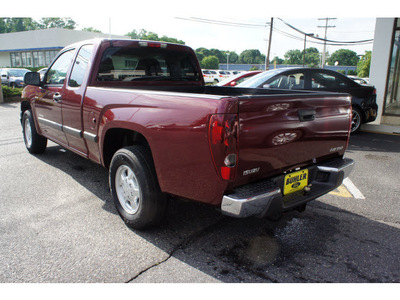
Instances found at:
x=355 y=20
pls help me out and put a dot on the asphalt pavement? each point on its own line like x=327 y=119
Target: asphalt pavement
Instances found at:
x=58 y=224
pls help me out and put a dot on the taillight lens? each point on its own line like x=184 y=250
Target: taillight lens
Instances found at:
x=223 y=136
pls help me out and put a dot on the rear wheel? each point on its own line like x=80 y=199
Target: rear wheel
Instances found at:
x=135 y=189
x=34 y=142
x=356 y=120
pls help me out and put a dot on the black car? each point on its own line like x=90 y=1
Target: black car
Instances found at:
x=363 y=96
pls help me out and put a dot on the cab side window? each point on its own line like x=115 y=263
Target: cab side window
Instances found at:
x=293 y=81
x=58 y=71
x=80 y=66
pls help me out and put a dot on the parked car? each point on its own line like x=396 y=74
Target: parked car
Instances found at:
x=358 y=79
x=363 y=96
x=238 y=78
x=13 y=77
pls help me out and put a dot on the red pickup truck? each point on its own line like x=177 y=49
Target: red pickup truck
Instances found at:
x=142 y=110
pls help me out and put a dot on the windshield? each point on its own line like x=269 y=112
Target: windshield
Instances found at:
x=259 y=79
x=148 y=64
x=17 y=73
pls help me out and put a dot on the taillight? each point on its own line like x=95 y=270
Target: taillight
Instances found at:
x=374 y=92
x=223 y=144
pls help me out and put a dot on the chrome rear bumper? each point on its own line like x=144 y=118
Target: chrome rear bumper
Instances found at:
x=264 y=198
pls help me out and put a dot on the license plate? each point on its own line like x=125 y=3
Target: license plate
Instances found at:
x=295 y=181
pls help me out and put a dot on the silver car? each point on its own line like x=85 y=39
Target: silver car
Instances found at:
x=13 y=77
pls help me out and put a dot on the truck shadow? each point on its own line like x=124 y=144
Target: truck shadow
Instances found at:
x=323 y=244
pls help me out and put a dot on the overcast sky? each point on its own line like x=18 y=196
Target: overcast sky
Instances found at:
x=355 y=20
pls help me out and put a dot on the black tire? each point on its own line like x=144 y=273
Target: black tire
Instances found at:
x=35 y=143
x=135 y=189
x=356 y=120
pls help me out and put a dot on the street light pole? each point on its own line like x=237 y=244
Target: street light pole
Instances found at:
x=227 y=60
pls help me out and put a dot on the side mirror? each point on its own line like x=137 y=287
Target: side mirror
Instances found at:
x=233 y=83
x=32 y=78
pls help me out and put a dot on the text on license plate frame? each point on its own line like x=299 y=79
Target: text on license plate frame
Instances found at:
x=295 y=181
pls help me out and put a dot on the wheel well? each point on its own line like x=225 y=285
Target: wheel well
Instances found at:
x=360 y=110
x=118 y=138
x=25 y=105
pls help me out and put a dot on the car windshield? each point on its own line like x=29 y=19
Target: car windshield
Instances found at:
x=17 y=73
x=259 y=79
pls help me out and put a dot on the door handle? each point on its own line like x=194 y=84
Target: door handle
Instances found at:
x=307 y=115
x=57 y=97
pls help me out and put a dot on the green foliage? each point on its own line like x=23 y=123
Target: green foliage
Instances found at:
x=210 y=62
x=293 y=57
x=277 y=60
x=91 y=29
x=254 y=68
x=364 y=65
x=251 y=56
x=8 y=25
x=151 y=36
x=351 y=72
x=11 y=92
x=344 y=57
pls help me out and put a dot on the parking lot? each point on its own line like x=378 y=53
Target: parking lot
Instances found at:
x=58 y=224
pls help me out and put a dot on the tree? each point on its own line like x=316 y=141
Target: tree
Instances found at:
x=311 y=57
x=210 y=62
x=277 y=60
x=364 y=65
x=151 y=36
x=251 y=56
x=293 y=57
x=8 y=25
x=344 y=57
x=66 y=23
x=91 y=29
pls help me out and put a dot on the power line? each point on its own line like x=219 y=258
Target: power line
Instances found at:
x=331 y=41
x=225 y=23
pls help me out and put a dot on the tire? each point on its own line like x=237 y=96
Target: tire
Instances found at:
x=135 y=189
x=356 y=120
x=35 y=143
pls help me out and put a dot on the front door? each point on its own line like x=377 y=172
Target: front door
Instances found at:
x=48 y=104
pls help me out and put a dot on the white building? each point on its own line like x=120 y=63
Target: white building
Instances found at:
x=37 y=48
x=385 y=71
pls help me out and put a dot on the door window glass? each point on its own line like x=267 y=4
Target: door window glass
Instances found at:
x=293 y=81
x=80 y=66
x=321 y=80
x=58 y=71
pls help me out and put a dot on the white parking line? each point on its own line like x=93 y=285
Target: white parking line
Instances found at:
x=353 y=189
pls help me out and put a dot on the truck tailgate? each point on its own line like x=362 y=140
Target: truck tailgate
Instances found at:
x=284 y=132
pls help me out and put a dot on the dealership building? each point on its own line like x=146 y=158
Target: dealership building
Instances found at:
x=37 y=48
x=385 y=71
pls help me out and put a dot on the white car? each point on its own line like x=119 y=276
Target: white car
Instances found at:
x=208 y=77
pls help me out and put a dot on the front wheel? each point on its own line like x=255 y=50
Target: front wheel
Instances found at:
x=135 y=189
x=34 y=142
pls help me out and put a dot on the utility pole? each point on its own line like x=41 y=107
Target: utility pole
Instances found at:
x=269 y=45
x=326 y=29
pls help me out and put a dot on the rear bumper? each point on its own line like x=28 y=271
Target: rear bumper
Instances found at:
x=265 y=198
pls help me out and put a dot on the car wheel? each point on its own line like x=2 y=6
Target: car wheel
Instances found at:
x=356 y=120
x=216 y=81
x=135 y=189
x=34 y=142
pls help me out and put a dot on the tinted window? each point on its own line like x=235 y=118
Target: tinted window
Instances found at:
x=130 y=64
x=80 y=66
x=293 y=81
x=327 y=81
x=58 y=71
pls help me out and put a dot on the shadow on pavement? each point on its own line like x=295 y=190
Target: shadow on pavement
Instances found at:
x=323 y=244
